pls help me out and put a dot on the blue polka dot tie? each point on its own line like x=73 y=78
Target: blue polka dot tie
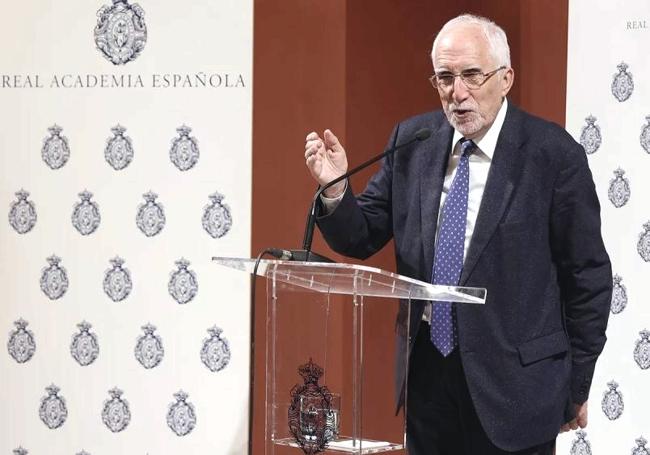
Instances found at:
x=448 y=259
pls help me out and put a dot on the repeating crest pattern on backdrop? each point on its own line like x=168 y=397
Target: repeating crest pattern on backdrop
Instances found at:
x=53 y=410
x=183 y=285
x=54 y=279
x=181 y=417
x=85 y=214
x=619 y=295
x=215 y=352
x=640 y=448
x=185 y=149
x=644 y=139
x=150 y=218
x=116 y=414
x=623 y=84
x=120 y=33
x=217 y=219
x=642 y=350
x=21 y=345
x=117 y=280
x=590 y=136
x=56 y=150
x=612 y=403
x=580 y=445
x=84 y=347
x=643 y=246
x=119 y=149
x=149 y=349
x=619 y=189
x=22 y=213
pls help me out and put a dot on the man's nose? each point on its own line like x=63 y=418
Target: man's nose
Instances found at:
x=460 y=91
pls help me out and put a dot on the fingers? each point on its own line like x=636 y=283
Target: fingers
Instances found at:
x=332 y=142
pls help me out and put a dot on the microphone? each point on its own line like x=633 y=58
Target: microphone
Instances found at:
x=306 y=254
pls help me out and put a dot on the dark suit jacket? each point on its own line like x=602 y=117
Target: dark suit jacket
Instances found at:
x=531 y=349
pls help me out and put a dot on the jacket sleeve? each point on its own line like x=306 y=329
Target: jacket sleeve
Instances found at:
x=584 y=269
x=360 y=226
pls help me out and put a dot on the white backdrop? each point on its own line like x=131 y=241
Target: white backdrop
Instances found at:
x=602 y=35
x=52 y=73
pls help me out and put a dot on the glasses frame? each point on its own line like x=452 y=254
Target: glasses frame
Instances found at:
x=434 y=79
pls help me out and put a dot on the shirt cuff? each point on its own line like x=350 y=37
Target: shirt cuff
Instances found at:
x=330 y=203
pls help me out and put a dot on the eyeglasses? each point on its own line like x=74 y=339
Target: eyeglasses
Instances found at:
x=473 y=79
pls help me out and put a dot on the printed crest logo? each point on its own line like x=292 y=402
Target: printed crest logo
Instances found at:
x=622 y=85
x=590 y=137
x=181 y=417
x=21 y=345
x=640 y=448
x=54 y=279
x=20 y=451
x=119 y=149
x=84 y=347
x=85 y=215
x=83 y=452
x=53 y=411
x=581 y=446
x=619 y=296
x=612 y=403
x=149 y=349
x=215 y=352
x=643 y=246
x=55 y=151
x=117 y=281
x=619 y=189
x=120 y=34
x=183 y=285
x=217 y=219
x=22 y=214
x=151 y=215
x=644 y=139
x=185 y=149
x=642 y=350
x=116 y=414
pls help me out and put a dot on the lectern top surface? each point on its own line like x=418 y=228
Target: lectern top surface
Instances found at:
x=339 y=278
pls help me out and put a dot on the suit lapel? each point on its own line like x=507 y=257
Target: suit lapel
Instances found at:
x=502 y=179
x=432 y=174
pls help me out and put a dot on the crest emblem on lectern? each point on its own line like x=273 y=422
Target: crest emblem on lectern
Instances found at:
x=185 y=149
x=181 y=417
x=117 y=280
x=622 y=85
x=643 y=246
x=590 y=137
x=183 y=285
x=21 y=344
x=116 y=414
x=640 y=448
x=85 y=216
x=309 y=410
x=619 y=189
x=84 y=347
x=20 y=451
x=22 y=214
x=149 y=349
x=55 y=151
x=217 y=219
x=581 y=446
x=645 y=135
x=151 y=216
x=642 y=350
x=53 y=411
x=54 y=279
x=215 y=352
x=612 y=403
x=119 y=149
x=619 y=295
x=120 y=33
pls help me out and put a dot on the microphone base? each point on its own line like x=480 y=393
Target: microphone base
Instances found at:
x=308 y=256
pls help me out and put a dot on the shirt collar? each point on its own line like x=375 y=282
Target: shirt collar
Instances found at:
x=488 y=143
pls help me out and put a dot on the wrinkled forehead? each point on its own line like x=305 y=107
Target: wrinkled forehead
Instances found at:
x=462 y=45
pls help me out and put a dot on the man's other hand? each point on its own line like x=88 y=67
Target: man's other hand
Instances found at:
x=326 y=160
x=580 y=420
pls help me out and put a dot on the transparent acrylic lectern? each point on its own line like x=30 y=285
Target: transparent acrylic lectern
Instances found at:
x=331 y=353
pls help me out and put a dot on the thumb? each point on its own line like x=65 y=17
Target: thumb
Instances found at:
x=332 y=142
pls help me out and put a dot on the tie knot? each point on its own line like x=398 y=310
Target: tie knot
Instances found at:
x=467 y=146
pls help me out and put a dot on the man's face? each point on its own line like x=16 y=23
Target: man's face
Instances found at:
x=471 y=112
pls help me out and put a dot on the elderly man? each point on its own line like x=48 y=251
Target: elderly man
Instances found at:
x=495 y=198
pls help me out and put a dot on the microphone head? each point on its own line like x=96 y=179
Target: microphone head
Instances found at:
x=422 y=134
